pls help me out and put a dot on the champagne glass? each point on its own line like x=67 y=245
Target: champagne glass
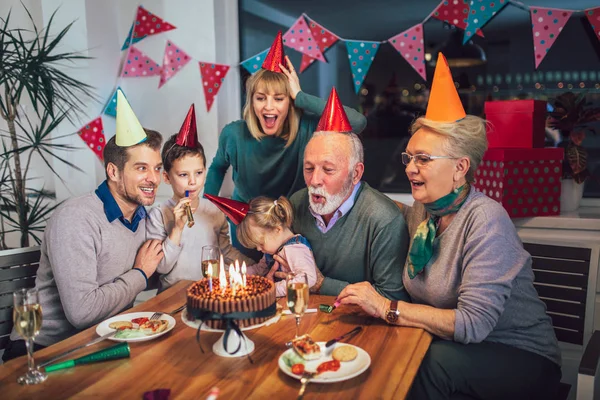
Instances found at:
x=297 y=296
x=210 y=256
x=27 y=318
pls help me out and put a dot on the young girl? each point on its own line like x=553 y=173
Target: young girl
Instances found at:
x=267 y=228
x=184 y=169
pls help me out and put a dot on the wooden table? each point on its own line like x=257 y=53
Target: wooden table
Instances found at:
x=175 y=361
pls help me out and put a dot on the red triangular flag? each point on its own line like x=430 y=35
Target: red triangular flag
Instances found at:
x=147 y=24
x=324 y=39
x=593 y=15
x=93 y=135
x=334 y=118
x=306 y=62
x=188 y=133
x=300 y=38
x=455 y=12
x=139 y=65
x=275 y=56
x=173 y=60
x=547 y=23
x=212 y=80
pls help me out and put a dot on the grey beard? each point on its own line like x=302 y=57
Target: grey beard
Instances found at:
x=332 y=201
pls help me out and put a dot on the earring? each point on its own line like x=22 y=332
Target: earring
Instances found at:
x=455 y=190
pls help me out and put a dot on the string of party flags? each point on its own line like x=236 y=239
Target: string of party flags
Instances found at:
x=313 y=40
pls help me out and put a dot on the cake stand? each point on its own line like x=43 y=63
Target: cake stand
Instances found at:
x=233 y=340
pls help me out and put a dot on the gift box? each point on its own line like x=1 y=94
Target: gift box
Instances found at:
x=516 y=123
x=525 y=181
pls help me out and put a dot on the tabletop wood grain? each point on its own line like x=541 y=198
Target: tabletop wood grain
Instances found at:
x=175 y=361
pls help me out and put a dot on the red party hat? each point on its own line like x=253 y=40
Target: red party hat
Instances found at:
x=188 y=134
x=275 y=55
x=334 y=117
x=444 y=104
x=235 y=210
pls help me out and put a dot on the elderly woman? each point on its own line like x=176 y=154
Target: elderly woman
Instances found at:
x=469 y=278
x=265 y=149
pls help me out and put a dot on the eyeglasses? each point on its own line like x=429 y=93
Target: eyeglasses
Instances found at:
x=422 y=160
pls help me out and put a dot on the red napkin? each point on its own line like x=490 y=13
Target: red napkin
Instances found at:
x=158 y=394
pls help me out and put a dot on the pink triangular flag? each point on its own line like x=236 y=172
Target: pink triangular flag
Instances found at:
x=93 y=135
x=139 y=65
x=593 y=15
x=547 y=23
x=306 y=62
x=410 y=45
x=173 y=60
x=212 y=80
x=324 y=39
x=454 y=12
x=299 y=38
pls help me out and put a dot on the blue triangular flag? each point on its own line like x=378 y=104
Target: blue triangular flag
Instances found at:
x=111 y=107
x=254 y=63
x=135 y=39
x=361 y=54
x=480 y=12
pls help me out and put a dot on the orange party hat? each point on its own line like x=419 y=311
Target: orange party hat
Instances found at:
x=188 y=133
x=235 y=210
x=444 y=103
x=275 y=55
x=334 y=117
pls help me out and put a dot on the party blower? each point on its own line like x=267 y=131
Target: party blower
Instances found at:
x=115 y=352
x=328 y=308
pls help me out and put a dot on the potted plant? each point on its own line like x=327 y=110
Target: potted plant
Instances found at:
x=572 y=117
x=31 y=72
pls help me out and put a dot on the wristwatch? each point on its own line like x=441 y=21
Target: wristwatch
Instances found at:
x=391 y=315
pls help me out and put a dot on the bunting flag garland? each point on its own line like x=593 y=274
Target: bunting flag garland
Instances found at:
x=593 y=15
x=454 y=12
x=299 y=37
x=254 y=63
x=361 y=55
x=139 y=65
x=410 y=46
x=213 y=76
x=480 y=13
x=324 y=38
x=547 y=23
x=111 y=106
x=146 y=24
x=93 y=135
x=173 y=60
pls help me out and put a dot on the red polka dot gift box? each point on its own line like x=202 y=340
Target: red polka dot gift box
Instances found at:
x=516 y=123
x=525 y=181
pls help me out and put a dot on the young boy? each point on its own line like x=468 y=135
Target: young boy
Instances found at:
x=185 y=170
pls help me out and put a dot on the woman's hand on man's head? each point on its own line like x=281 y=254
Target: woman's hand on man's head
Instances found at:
x=294 y=81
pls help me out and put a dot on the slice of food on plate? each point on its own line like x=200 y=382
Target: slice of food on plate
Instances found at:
x=306 y=347
x=120 y=325
x=154 y=326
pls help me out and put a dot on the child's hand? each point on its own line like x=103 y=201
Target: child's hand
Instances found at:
x=271 y=274
x=293 y=79
x=180 y=214
x=280 y=261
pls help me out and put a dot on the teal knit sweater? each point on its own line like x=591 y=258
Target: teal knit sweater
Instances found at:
x=369 y=243
x=267 y=167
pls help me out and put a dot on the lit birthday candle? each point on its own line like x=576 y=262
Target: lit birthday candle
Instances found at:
x=209 y=277
x=244 y=273
x=237 y=266
x=232 y=279
x=222 y=276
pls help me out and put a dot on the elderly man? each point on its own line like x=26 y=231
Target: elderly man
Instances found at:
x=95 y=258
x=356 y=233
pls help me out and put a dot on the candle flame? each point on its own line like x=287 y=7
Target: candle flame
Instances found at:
x=244 y=273
x=237 y=266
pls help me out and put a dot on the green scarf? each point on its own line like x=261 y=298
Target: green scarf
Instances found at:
x=421 y=250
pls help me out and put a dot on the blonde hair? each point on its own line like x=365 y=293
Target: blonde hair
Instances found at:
x=264 y=213
x=274 y=82
x=464 y=138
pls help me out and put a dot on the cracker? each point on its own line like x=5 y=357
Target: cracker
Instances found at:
x=344 y=353
x=120 y=325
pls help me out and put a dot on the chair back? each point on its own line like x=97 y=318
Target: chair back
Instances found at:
x=18 y=269
x=562 y=276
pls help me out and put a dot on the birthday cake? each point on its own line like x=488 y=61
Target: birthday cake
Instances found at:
x=257 y=295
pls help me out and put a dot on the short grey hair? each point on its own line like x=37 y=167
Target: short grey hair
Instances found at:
x=357 y=154
x=464 y=138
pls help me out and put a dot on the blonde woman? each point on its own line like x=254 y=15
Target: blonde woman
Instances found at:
x=265 y=149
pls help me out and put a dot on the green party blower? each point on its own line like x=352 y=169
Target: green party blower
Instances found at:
x=115 y=352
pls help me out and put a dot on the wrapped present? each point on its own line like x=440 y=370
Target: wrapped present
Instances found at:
x=525 y=181
x=516 y=123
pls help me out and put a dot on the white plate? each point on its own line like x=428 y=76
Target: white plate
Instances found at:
x=348 y=369
x=102 y=329
x=195 y=324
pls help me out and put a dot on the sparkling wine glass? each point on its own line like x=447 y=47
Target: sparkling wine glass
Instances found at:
x=27 y=318
x=297 y=296
x=210 y=256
